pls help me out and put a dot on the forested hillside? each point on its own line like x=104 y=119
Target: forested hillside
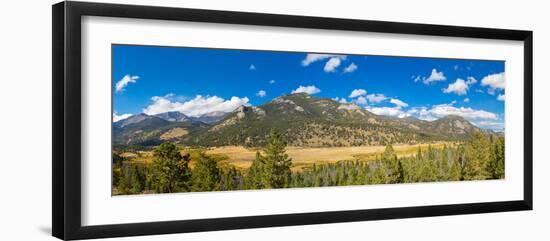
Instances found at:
x=481 y=157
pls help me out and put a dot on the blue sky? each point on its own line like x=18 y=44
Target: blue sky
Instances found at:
x=195 y=81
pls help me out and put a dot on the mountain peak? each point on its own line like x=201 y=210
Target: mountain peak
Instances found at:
x=242 y=110
x=349 y=106
x=173 y=116
x=306 y=121
x=452 y=117
x=214 y=114
x=212 y=117
x=132 y=119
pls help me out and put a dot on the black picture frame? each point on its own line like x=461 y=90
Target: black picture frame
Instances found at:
x=66 y=75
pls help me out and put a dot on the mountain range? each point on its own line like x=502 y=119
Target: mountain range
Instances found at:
x=303 y=120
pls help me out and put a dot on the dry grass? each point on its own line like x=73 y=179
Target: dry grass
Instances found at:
x=174 y=133
x=241 y=157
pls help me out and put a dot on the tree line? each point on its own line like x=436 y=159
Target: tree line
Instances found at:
x=479 y=158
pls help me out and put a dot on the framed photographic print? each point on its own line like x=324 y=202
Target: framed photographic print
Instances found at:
x=170 y=120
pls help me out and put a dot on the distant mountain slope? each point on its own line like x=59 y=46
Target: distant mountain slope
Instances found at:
x=211 y=117
x=304 y=120
x=146 y=130
x=317 y=122
x=174 y=116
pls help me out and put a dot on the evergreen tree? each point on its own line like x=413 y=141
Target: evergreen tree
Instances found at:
x=117 y=176
x=123 y=186
x=461 y=161
x=389 y=153
x=377 y=176
x=137 y=179
x=419 y=154
x=496 y=165
x=390 y=166
x=400 y=178
x=454 y=171
x=478 y=152
x=427 y=171
x=253 y=178
x=117 y=160
x=206 y=175
x=276 y=163
x=231 y=179
x=171 y=169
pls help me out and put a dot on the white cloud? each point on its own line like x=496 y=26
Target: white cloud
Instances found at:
x=388 y=111
x=272 y=81
x=422 y=113
x=252 y=67
x=471 y=80
x=434 y=77
x=398 y=103
x=310 y=90
x=442 y=110
x=332 y=64
x=493 y=125
x=311 y=58
x=459 y=87
x=342 y=101
x=261 y=93
x=361 y=100
x=376 y=98
x=466 y=100
x=395 y=111
x=480 y=118
x=417 y=78
x=122 y=83
x=117 y=117
x=494 y=82
x=357 y=92
x=198 y=106
x=351 y=68
x=466 y=112
x=501 y=97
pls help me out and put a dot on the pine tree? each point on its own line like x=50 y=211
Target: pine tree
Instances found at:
x=454 y=171
x=123 y=186
x=231 y=179
x=377 y=176
x=171 y=169
x=390 y=165
x=206 y=175
x=419 y=154
x=496 y=165
x=117 y=160
x=389 y=153
x=253 y=178
x=478 y=151
x=276 y=163
x=137 y=179
x=116 y=176
x=400 y=178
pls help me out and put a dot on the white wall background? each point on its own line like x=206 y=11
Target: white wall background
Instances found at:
x=25 y=107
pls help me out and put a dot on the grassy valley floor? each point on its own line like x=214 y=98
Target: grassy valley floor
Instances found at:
x=241 y=157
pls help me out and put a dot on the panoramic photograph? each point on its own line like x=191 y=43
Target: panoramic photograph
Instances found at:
x=187 y=119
